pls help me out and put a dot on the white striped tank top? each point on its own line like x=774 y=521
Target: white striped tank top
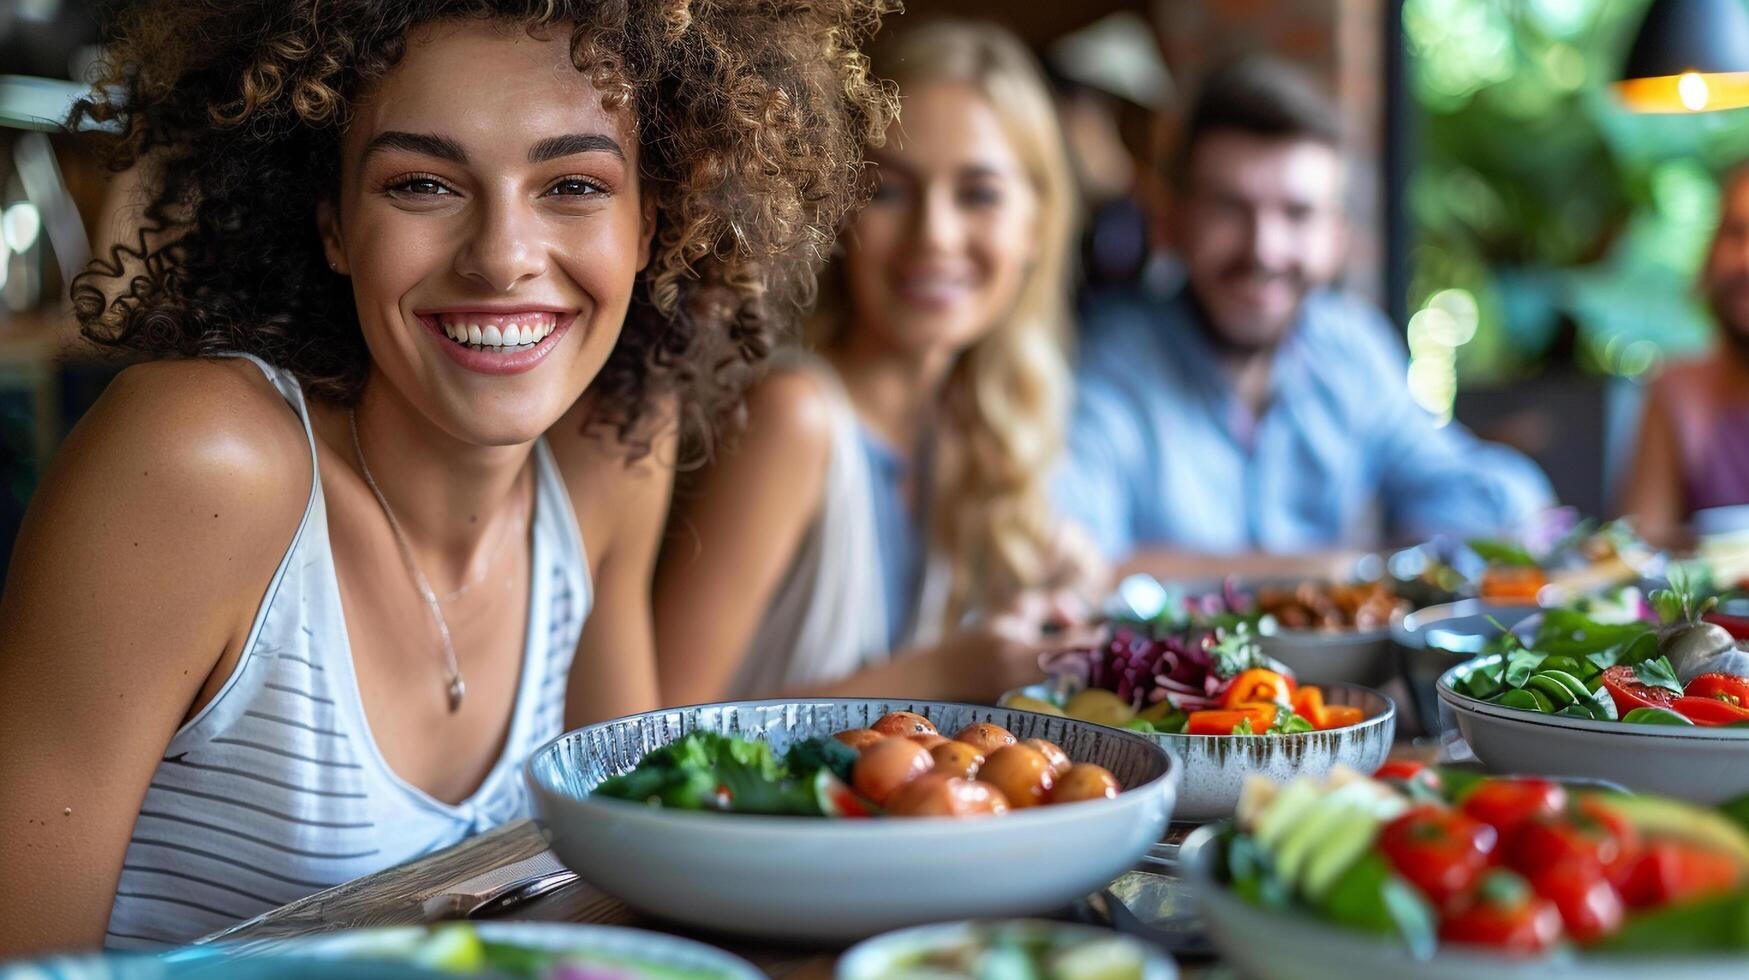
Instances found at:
x=276 y=789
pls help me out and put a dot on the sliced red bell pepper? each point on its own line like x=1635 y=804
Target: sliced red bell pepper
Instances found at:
x=1223 y=721
x=1708 y=711
x=1341 y=716
x=1729 y=688
x=1259 y=686
x=1309 y=704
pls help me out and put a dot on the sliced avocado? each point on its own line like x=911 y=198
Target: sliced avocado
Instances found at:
x=1671 y=818
x=1283 y=812
x=1303 y=840
x=1345 y=845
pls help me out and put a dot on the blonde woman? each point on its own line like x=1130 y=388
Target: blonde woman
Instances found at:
x=881 y=527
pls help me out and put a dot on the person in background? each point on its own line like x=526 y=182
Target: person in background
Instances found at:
x=1693 y=451
x=421 y=291
x=895 y=482
x=1258 y=411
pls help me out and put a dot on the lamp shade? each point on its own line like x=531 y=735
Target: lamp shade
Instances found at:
x=1688 y=56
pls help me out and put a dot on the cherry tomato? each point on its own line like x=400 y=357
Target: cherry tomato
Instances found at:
x=887 y=765
x=904 y=723
x=1258 y=686
x=1670 y=871
x=1505 y=804
x=986 y=737
x=1708 y=711
x=1439 y=850
x=957 y=758
x=1590 y=906
x=937 y=794
x=1593 y=837
x=859 y=738
x=1729 y=688
x=1505 y=914
x=1023 y=775
x=1628 y=693
x=1404 y=770
x=1059 y=759
x=1085 y=781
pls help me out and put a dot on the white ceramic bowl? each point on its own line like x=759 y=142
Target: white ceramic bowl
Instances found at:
x=1703 y=765
x=1267 y=945
x=882 y=956
x=639 y=945
x=836 y=880
x=1216 y=766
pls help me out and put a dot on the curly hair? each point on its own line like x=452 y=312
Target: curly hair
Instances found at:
x=752 y=117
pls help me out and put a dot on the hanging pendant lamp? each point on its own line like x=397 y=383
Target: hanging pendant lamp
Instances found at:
x=1689 y=56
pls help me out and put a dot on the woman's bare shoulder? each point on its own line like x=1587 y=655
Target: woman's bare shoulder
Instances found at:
x=200 y=452
x=213 y=427
x=176 y=494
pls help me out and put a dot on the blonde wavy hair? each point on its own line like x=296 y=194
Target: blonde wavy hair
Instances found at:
x=1006 y=398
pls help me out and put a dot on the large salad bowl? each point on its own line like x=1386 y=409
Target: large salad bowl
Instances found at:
x=817 y=879
x=1702 y=765
x=1265 y=943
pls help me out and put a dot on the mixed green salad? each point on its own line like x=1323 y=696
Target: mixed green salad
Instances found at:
x=1521 y=866
x=709 y=771
x=1591 y=662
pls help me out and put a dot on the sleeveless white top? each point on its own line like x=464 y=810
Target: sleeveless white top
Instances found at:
x=276 y=789
x=827 y=619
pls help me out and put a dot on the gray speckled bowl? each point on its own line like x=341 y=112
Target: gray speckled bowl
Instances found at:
x=1326 y=656
x=1431 y=641
x=834 y=880
x=1305 y=948
x=1704 y=765
x=1216 y=766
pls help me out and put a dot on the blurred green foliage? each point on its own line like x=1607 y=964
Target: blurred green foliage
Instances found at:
x=1533 y=190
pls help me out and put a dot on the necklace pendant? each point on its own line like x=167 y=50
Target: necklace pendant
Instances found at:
x=456 y=690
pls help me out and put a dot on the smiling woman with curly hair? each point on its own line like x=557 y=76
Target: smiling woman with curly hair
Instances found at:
x=427 y=292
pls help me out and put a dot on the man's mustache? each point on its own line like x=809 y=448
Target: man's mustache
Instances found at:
x=1242 y=270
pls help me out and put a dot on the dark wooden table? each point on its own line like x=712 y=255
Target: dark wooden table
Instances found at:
x=396 y=896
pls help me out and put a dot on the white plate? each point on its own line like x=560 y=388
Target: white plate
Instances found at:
x=1217 y=766
x=1267 y=945
x=835 y=880
x=1703 y=765
x=876 y=959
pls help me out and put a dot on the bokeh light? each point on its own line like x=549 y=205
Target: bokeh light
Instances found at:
x=19 y=225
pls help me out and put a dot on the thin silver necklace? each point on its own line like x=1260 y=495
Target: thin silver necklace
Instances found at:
x=457 y=687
